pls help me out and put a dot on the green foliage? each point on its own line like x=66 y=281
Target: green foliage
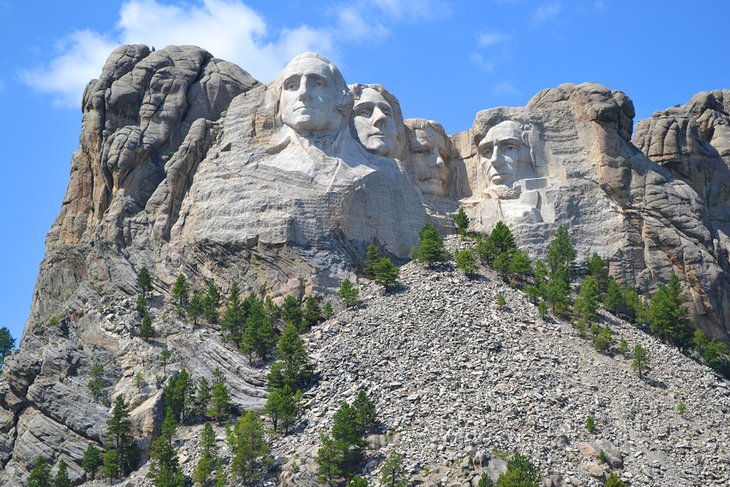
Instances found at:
x=597 y=268
x=586 y=304
x=520 y=266
x=92 y=461
x=431 y=249
x=681 y=408
x=234 y=318
x=521 y=472
x=196 y=307
x=293 y=368
x=146 y=330
x=96 y=384
x=165 y=355
x=533 y=293
x=561 y=252
x=372 y=256
x=602 y=457
x=164 y=465
x=667 y=316
x=342 y=453
x=461 y=221
x=211 y=303
x=40 y=475
x=119 y=439
x=220 y=398
x=144 y=279
x=311 y=314
x=393 y=472
x=714 y=352
x=202 y=397
x=590 y=424
x=7 y=342
x=291 y=311
x=112 y=467
x=485 y=481
x=208 y=456
x=557 y=291
x=61 y=479
x=259 y=335
x=220 y=478
x=466 y=261
x=281 y=406
x=501 y=265
x=386 y=273
x=179 y=395
x=640 y=360
x=602 y=338
x=358 y=481
x=499 y=241
x=349 y=294
x=251 y=455
x=141 y=305
x=181 y=290
x=366 y=415
x=623 y=347
x=500 y=300
x=613 y=480
x=327 y=310
x=542 y=308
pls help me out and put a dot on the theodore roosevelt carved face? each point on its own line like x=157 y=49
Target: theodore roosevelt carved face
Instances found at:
x=314 y=97
x=374 y=121
x=505 y=156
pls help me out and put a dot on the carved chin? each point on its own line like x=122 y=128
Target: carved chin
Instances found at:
x=503 y=192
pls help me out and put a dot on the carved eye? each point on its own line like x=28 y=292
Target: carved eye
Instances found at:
x=320 y=82
x=290 y=84
x=511 y=148
x=363 y=112
x=487 y=151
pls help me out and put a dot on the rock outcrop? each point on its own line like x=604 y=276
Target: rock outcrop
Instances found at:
x=186 y=164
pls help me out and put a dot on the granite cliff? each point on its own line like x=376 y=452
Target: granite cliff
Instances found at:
x=186 y=164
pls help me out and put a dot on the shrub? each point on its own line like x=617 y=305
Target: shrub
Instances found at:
x=349 y=294
x=590 y=424
x=461 y=221
x=431 y=248
x=466 y=261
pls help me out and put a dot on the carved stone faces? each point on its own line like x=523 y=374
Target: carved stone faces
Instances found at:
x=505 y=157
x=374 y=122
x=430 y=149
x=314 y=97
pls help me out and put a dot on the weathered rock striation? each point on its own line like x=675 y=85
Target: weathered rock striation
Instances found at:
x=186 y=164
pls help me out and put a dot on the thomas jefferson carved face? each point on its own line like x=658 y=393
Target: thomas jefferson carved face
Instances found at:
x=429 y=146
x=375 y=123
x=505 y=155
x=311 y=93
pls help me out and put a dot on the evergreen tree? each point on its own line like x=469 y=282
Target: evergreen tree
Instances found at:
x=602 y=338
x=220 y=478
x=520 y=473
x=208 y=456
x=251 y=455
x=40 y=475
x=613 y=480
x=365 y=413
x=181 y=290
x=211 y=303
x=668 y=318
x=348 y=434
x=92 y=461
x=372 y=255
x=281 y=406
x=461 y=221
x=144 y=280
x=598 y=268
x=146 y=331
x=327 y=310
x=7 y=342
x=485 y=481
x=178 y=395
x=165 y=355
x=195 y=307
x=112 y=467
x=259 y=335
x=358 y=481
x=119 y=438
x=386 y=273
x=61 y=479
x=520 y=266
x=291 y=311
x=295 y=370
x=499 y=241
x=586 y=304
x=311 y=313
x=349 y=294
x=557 y=291
x=164 y=465
x=501 y=265
x=329 y=458
x=613 y=299
x=202 y=397
x=640 y=360
x=96 y=384
x=141 y=305
x=220 y=398
x=234 y=318
x=431 y=249
x=466 y=261
x=393 y=472
x=561 y=252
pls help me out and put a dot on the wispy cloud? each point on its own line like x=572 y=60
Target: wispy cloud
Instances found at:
x=353 y=26
x=505 y=88
x=479 y=61
x=487 y=39
x=546 y=12
x=413 y=10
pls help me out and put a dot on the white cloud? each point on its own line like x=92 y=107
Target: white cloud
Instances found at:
x=491 y=38
x=505 y=88
x=546 y=11
x=479 y=60
x=352 y=25
x=411 y=9
x=227 y=28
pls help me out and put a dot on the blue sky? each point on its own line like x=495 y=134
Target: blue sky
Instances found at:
x=444 y=60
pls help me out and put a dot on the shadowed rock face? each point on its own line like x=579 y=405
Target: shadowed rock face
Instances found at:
x=187 y=164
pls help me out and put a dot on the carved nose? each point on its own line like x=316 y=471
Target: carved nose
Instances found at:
x=379 y=118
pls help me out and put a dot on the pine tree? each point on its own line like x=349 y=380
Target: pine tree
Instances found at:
x=372 y=255
x=295 y=368
x=386 y=273
x=141 y=305
x=461 y=221
x=164 y=466
x=561 y=252
x=311 y=313
x=40 y=475
x=202 y=397
x=586 y=304
x=613 y=299
x=520 y=266
x=281 y=406
x=557 y=291
x=181 y=290
x=234 y=317
x=178 y=395
x=96 y=384
x=92 y=461
x=329 y=458
x=211 y=303
x=112 y=467
x=327 y=310
x=613 y=480
x=348 y=436
x=520 y=473
x=597 y=268
x=7 y=342
x=667 y=315
x=119 y=437
x=358 y=481
x=61 y=479
x=602 y=338
x=220 y=398
x=499 y=241
x=251 y=455
x=144 y=279
x=501 y=265
x=466 y=261
x=208 y=456
x=365 y=413
x=485 y=481
x=165 y=355
x=259 y=335
x=195 y=307
x=431 y=249
x=220 y=478
x=393 y=473
x=291 y=311
x=349 y=294
x=640 y=360
x=146 y=331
